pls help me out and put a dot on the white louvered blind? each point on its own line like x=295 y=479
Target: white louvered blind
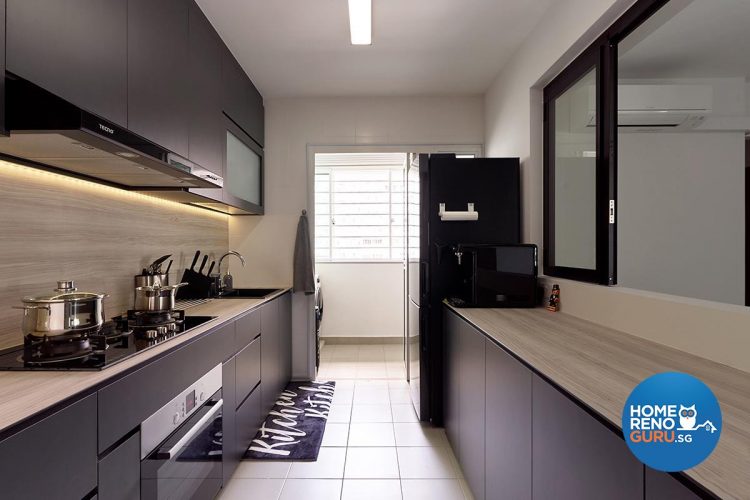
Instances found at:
x=359 y=213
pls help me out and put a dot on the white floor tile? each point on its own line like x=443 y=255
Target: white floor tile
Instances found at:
x=340 y=414
x=432 y=489
x=399 y=396
x=425 y=463
x=310 y=489
x=342 y=396
x=372 y=434
x=371 y=463
x=372 y=383
x=335 y=435
x=371 y=413
x=404 y=413
x=371 y=489
x=371 y=396
x=400 y=383
x=263 y=469
x=329 y=465
x=416 y=434
x=467 y=491
x=257 y=489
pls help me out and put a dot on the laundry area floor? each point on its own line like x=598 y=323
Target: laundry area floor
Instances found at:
x=373 y=447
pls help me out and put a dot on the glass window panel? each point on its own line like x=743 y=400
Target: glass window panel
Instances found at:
x=243 y=171
x=575 y=175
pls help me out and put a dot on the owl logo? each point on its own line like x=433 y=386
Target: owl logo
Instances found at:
x=687 y=418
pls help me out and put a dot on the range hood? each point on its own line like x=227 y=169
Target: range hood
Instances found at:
x=49 y=131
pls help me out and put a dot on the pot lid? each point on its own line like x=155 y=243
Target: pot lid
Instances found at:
x=66 y=291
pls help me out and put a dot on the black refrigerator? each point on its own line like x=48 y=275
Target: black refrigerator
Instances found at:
x=439 y=190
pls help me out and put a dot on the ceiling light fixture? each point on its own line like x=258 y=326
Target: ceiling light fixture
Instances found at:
x=360 y=21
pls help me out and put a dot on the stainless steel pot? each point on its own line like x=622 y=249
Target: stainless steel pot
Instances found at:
x=66 y=312
x=156 y=297
x=151 y=280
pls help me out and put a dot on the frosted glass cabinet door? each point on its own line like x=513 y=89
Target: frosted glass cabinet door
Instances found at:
x=244 y=179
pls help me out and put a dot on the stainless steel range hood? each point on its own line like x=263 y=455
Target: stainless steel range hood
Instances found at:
x=47 y=130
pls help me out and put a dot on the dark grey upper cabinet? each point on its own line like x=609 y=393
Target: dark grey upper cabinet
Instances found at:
x=660 y=485
x=3 y=11
x=54 y=458
x=508 y=426
x=575 y=456
x=76 y=49
x=242 y=101
x=158 y=72
x=204 y=88
x=471 y=407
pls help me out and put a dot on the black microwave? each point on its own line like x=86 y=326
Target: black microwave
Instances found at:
x=496 y=276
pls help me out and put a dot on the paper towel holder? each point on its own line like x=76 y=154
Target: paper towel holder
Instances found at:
x=469 y=215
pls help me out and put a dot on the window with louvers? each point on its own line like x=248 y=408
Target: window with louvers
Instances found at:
x=359 y=213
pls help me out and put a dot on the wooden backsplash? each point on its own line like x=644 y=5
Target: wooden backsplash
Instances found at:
x=54 y=227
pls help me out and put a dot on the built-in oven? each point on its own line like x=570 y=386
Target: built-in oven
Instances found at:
x=181 y=444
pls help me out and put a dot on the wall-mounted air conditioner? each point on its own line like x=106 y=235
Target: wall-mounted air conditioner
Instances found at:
x=642 y=107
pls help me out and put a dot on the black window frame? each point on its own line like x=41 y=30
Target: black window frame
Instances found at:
x=602 y=54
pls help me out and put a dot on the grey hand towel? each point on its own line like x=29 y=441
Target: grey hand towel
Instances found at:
x=304 y=280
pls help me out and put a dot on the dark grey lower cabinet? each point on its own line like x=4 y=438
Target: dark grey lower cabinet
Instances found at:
x=660 y=485
x=247 y=371
x=451 y=374
x=270 y=346
x=120 y=471
x=574 y=456
x=471 y=401
x=285 y=340
x=248 y=420
x=229 y=452
x=508 y=426
x=54 y=458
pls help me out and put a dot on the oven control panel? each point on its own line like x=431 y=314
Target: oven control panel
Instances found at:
x=169 y=417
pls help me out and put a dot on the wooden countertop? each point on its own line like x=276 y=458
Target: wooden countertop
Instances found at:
x=23 y=394
x=600 y=366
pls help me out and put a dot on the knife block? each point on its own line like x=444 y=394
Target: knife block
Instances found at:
x=198 y=286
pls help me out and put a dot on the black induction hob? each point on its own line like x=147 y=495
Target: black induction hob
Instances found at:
x=117 y=340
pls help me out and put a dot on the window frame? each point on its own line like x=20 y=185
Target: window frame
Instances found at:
x=602 y=53
x=331 y=202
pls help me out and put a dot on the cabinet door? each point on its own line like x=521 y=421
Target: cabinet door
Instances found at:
x=54 y=458
x=243 y=169
x=269 y=355
x=660 y=485
x=574 y=455
x=248 y=328
x=229 y=451
x=285 y=347
x=76 y=49
x=451 y=379
x=248 y=370
x=256 y=125
x=471 y=393
x=242 y=101
x=120 y=471
x=158 y=72
x=248 y=420
x=204 y=89
x=508 y=426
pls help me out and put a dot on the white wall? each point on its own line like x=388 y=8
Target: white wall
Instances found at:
x=513 y=125
x=362 y=299
x=294 y=123
x=681 y=214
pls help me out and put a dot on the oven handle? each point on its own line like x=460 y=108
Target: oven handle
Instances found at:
x=169 y=454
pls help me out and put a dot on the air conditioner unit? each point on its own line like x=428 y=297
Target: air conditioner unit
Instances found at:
x=657 y=107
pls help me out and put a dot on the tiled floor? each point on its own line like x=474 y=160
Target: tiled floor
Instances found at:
x=373 y=447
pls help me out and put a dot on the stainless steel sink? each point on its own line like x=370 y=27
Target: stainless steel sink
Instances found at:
x=249 y=293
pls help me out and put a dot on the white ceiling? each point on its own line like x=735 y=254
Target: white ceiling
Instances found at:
x=420 y=47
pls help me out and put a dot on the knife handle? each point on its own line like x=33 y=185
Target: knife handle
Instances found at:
x=195 y=260
x=203 y=264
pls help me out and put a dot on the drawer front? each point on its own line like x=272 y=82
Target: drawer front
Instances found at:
x=54 y=458
x=247 y=421
x=120 y=471
x=248 y=327
x=247 y=370
x=124 y=404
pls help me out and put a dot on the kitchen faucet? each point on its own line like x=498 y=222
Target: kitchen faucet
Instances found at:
x=225 y=281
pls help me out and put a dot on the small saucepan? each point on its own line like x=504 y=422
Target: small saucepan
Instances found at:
x=156 y=298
